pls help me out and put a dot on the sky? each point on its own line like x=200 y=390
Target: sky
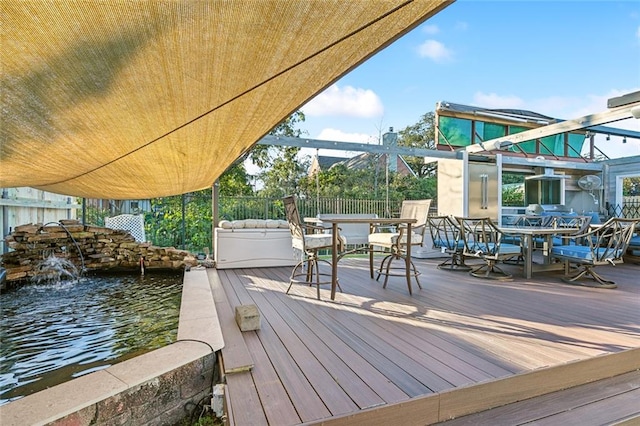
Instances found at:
x=563 y=59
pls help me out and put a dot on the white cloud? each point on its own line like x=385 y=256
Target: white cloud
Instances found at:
x=347 y=101
x=435 y=51
x=569 y=108
x=573 y=107
x=330 y=134
x=493 y=100
x=431 y=29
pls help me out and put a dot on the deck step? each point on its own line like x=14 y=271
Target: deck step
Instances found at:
x=235 y=354
x=606 y=401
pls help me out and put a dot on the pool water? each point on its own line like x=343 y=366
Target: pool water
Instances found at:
x=51 y=333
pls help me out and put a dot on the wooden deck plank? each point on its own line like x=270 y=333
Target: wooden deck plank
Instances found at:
x=294 y=333
x=318 y=339
x=527 y=333
x=383 y=388
x=306 y=401
x=526 y=354
x=236 y=355
x=244 y=401
x=320 y=384
x=404 y=380
x=551 y=404
x=277 y=405
x=479 y=343
x=613 y=409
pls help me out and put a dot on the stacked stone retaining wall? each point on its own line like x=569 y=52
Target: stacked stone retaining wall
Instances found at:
x=102 y=249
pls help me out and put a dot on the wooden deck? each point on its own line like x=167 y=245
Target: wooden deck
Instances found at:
x=460 y=345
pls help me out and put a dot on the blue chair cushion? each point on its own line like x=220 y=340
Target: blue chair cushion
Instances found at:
x=490 y=248
x=511 y=239
x=635 y=241
x=448 y=244
x=556 y=241
x=582 y=252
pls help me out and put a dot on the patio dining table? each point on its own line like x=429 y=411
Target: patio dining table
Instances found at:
x=335 y=256
x=528 y=233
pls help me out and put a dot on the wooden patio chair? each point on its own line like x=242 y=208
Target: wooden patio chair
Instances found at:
x=396 y=242
x=307 y=240
x=604 y=245
x=445 y=234
x=483 y=240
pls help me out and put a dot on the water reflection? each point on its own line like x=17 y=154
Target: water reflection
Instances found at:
x=51 y=333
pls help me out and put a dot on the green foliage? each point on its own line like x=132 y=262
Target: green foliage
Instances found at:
x=420 y=135
x=285 y=173
x=630 y=187
x=512 y=197
x=95 y=216
x=164 y=225
x=235 y=181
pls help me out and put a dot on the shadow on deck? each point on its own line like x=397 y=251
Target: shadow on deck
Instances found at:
x=460 y=345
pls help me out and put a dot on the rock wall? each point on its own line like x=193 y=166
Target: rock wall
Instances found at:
x=102 y=249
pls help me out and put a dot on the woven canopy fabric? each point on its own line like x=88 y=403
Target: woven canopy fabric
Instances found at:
x=126 y=99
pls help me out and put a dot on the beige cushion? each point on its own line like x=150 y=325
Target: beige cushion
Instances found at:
x=225 y=224
x=313 y=241
x=387 y=239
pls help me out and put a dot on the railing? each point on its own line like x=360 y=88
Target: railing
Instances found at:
x=237 y=208
x=629 y=210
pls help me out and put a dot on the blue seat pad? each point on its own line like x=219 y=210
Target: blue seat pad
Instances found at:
x=490 y=248
x=448 y=244
x=583 y=252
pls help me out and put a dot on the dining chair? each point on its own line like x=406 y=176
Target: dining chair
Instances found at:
x=445 y=235
x=580 y=224
x=395 y=242
x=604 y=245
x=483 y=240
x=307 y=240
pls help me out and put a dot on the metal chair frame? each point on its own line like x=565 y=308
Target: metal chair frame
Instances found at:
x=604 y=245
x=445 y=235
x=482 y=239
x=309 y=240
x=395 y=243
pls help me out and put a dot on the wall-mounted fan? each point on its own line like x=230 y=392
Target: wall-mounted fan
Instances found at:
x=589 y=182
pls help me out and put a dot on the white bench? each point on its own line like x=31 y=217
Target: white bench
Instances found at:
x=253 y=243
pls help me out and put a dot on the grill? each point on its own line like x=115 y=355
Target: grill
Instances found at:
x=546 y=209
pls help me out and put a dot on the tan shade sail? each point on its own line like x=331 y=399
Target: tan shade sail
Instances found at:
x=140 y=99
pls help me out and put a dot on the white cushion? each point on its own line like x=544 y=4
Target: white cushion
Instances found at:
x=238 y=224
x=387 y=239
x=283 y=224
x=250 y=223
x=314 y=241
x=225 y=224
x=272 y=223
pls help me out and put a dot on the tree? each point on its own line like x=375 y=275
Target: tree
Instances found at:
x=630 y=187
x=420 y=135
x=282 y=168
x=235 y=181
